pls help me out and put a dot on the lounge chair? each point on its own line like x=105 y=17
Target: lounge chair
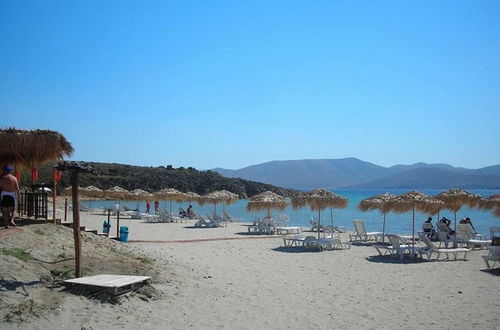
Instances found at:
x=494 y=256
x=202 y=222
x=396 y=247
x=431 y=249
x=361 y=233
x=466 y=236
x=445 y=234
x=218 y=221
x=315 y=226
x=228 y=217
x=295 y=240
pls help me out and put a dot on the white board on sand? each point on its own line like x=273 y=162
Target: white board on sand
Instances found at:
x=115 y=284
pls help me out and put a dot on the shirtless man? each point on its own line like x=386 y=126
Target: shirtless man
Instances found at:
x=9 y=195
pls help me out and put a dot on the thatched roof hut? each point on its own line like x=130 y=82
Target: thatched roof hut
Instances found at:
x=28 y=148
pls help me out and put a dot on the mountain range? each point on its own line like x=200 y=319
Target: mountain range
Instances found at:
x=352 y=173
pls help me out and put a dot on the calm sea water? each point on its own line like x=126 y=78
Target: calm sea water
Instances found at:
x=395 y=223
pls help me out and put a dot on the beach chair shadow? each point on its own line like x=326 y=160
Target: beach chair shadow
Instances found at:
x=295 y=249
x=396 y=261
x=492 y=272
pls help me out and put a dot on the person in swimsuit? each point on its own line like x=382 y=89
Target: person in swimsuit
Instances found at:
x=9 y=195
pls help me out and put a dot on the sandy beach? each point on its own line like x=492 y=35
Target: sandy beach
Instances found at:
x=221 y=278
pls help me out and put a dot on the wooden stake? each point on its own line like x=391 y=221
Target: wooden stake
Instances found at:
x=118 y=224
x=65 y=210
x=54 y=203
x=109 y=222
x=76 y=222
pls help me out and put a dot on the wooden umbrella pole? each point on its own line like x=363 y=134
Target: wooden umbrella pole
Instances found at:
x=118 y=224
x=331 y=217
x=76 y=222
x=109 y=222
x=383 y=230
x=413 y=229
x=65 y=210
x=319 y=223
x=54 y=202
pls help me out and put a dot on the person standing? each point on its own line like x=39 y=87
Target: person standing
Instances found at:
x=9 y=195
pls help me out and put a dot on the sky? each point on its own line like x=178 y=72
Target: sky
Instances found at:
x=235 y=83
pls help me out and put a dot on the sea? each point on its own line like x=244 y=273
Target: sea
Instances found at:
x=400 y=223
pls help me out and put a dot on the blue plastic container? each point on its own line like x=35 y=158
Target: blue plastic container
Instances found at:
x=105 y=226
x=123 y=234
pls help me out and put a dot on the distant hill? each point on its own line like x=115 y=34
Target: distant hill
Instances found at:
x=355 y=173
x=156 y=178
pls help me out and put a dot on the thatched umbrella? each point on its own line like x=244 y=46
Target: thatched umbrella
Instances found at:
x=170 y=194
x=191 y=197
x=415 y=200
x=140 y=195
x=28 y=148
x=117 y=193
x=318 y=200
x=266 y=200
x=220 y=196
x=381 y=202
x=491 y=203
x=454 y=199
x=91 y=192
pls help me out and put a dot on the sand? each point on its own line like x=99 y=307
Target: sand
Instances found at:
x=251 y=283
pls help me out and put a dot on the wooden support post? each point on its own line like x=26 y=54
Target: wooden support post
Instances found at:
x=76 y=222
x=109 y=222
x=54 y=202
x=118 y=224
x=65 y=210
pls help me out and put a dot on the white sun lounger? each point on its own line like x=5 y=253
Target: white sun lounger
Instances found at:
x=431 y=248
x=361 y=233
x=494 y=256
x=396 y=248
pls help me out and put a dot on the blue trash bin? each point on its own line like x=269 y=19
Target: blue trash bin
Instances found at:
x=123 y=234
x=105 y=226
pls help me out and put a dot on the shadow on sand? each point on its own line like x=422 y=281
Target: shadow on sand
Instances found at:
x=395 y=260
x=294 y=249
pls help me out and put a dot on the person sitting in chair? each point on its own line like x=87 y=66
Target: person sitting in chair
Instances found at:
x=447 y=222
x=467 y=221
x=428 y=228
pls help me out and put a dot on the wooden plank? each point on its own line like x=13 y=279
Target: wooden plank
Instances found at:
x=108 y=281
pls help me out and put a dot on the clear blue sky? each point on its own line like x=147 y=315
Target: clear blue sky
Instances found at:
x=233 y=83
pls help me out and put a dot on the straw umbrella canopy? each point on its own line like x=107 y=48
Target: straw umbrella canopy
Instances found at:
x=170 y=194
x=27 y=148
x=454 y=199
x=415 y=200
x=92 y=192
x=139 y=195
x=116 y=193
x=191 y=196
x=267 y=200
x=381 y=202
x=318 y=200
x=220 y=196
x=491 y=203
